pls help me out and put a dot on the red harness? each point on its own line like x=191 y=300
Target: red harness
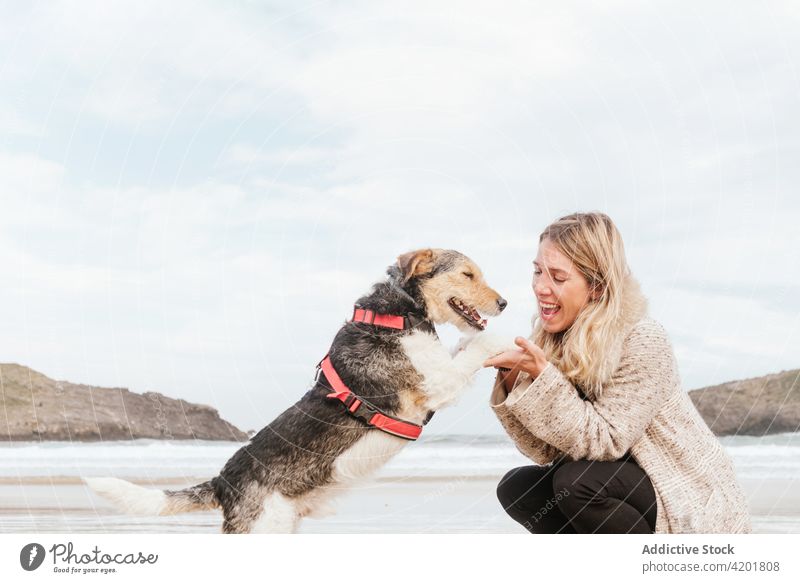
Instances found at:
x=385 y=320
x=358 y=407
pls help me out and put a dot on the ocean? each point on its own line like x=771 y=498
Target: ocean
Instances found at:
x=473 y=456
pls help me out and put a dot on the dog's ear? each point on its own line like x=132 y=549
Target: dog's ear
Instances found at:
x=415 y=263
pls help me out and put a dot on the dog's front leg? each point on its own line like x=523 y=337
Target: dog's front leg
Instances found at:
x=470 y=360
x=462 y=343
x=445 y=377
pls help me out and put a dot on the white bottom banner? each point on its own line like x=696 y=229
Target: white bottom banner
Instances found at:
x=393 y=557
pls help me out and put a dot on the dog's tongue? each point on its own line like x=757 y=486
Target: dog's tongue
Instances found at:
x=484 y=322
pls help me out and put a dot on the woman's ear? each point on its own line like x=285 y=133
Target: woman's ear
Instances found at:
x=596 y=292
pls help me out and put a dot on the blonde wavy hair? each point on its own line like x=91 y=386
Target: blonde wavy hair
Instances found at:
x=594 y=245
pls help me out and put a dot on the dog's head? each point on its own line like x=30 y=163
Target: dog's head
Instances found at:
x=452 y=287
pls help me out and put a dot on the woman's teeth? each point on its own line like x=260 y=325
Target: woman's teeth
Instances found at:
x=549 y=310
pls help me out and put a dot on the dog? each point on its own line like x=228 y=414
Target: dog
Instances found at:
x=295 y=466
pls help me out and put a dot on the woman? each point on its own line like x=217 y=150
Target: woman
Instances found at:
x=594 y=398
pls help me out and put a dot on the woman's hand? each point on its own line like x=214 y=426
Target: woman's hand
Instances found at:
x=530 y=358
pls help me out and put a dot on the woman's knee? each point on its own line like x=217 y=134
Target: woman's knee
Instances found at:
x=571 y=483
x=519 y=483
x=569 y=476
x=508 y=487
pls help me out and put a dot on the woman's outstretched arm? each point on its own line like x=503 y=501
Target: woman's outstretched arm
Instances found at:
x=551 y=408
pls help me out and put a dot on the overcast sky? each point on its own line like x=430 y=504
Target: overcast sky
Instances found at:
x=192 y=194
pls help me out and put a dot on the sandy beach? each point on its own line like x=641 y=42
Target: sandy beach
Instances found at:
x=455 y=505
x=412 y=506
x=442 y=485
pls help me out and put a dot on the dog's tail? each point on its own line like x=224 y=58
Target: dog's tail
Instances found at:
x=133 y=499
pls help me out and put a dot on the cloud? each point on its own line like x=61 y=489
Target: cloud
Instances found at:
x=141 y=62
x=244 y=154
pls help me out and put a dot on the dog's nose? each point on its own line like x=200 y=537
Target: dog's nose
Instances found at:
x=501 y=303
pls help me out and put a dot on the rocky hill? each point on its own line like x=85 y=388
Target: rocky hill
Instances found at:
x=35 y=407
x=756 y=406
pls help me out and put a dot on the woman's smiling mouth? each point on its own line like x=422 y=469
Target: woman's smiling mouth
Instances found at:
x=548 y=311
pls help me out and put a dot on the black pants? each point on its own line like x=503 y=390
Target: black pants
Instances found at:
x=580 y=497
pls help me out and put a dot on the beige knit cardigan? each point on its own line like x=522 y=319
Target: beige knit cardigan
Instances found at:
x=642 y=409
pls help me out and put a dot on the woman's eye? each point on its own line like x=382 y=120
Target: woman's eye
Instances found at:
x=469 y=275
x=538 y=272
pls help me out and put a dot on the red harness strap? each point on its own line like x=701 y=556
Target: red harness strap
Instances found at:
x=366 y=411
x=385 y=320
x=355 y=406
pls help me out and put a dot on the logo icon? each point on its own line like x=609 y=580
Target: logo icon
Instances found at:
x=31 y=556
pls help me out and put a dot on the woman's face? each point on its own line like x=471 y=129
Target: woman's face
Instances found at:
x=557 y=281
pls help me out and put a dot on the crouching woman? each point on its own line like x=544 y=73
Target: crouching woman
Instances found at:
x=593 y=397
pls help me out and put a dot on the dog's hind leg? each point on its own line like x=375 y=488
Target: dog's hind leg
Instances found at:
x=279 y=516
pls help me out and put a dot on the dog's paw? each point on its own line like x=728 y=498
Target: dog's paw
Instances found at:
x=462 y=343
x=491 y=344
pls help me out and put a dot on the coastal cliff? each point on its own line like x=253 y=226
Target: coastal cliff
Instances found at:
x=757 y=406
x=36 y=407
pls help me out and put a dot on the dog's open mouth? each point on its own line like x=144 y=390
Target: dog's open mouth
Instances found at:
x=469 y=313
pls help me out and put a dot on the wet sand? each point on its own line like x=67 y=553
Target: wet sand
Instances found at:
x=389 y=505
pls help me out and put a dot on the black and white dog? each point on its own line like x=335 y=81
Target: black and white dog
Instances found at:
x=317 y=448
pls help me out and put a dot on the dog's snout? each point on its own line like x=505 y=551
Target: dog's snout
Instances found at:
x=502 y=303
